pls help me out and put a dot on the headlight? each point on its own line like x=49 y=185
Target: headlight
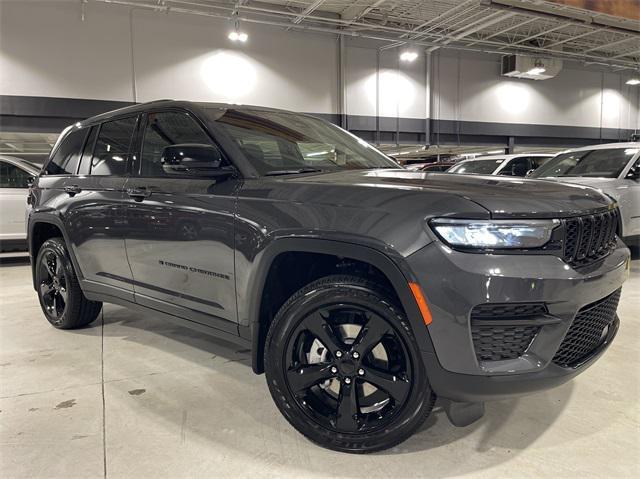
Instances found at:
x=494 y=234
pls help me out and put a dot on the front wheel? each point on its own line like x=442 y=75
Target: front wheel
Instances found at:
x=62 y=301
x=344 y=368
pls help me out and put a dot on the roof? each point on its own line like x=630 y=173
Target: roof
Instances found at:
x=508 y=157
x=607 y=146
x=190 y=105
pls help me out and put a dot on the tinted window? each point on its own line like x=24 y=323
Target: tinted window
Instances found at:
x=87 y=153
x=516 y=167
x=476 y=167
x=280 y=142
x=112 y=147
x=66 y=158
x=164 y=129
x=13 y=177
x=538 y=161
x=606 y=163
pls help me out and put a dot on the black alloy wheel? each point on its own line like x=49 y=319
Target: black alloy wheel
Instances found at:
x=348 y=369
x=344 y=368
x=52 y=284
x=61 y=298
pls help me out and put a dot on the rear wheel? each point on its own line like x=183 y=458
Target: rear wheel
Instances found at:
x=343 y=366
x=62 y=301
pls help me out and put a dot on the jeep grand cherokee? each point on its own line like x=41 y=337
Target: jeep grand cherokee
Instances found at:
x=363 y=290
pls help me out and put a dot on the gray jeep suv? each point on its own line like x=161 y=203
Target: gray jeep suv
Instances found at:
x=363 y=290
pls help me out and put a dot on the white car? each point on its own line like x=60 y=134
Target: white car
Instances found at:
x=15 y=175
x=506 y=165
x=613 y=168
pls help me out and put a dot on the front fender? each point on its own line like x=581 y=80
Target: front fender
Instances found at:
x=389 y=262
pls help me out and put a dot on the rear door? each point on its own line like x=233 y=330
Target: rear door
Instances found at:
x=94 y=207
x=181 y=241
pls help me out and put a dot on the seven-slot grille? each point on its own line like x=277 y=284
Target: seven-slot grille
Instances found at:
x=590 y=238
x=586 y=331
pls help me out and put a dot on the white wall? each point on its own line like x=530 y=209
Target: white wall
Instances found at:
x=471 y=89
x=46 y=50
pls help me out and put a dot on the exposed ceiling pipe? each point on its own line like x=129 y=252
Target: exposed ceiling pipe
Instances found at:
x=468 y=32
x=566 y=18
x=488 y=47
x=307 y=11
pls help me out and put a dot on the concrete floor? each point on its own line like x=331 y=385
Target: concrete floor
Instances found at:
x=136 y=397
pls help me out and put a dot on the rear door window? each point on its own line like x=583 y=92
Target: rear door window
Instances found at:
x=66 y=158
x=111 y=152
x=13 y=177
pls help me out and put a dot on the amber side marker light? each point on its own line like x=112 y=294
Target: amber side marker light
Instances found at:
x=422 y=303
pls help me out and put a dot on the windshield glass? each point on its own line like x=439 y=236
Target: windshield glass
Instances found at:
x=476 y=167
x=287 y=143
x=590 y=163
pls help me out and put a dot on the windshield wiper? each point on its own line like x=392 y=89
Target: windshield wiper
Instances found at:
x=292 y=172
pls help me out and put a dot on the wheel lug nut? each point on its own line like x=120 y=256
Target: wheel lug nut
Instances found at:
x=334 y=369
x=355 y=355
x=338 y=354
x=347 y=380
x=361 y=372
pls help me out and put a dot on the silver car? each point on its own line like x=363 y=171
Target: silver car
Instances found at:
x=504 y=165
x=613 y=168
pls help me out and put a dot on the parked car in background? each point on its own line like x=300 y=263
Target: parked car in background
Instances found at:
x=505 y=165
x=15 y=175
x=438 y=166
x=431 y=167
x=613 y=168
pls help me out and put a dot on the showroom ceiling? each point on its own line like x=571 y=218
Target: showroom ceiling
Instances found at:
x=607 y=35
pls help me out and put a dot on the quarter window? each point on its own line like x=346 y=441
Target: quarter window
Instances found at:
x=164 y=129
x=66 y=158
x=112 y=147
x=13 y=177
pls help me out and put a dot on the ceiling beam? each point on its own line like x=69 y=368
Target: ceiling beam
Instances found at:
x=475 y=29
x=310 y=9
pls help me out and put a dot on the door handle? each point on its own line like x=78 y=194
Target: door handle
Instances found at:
x=138 y=194
x=72 y=190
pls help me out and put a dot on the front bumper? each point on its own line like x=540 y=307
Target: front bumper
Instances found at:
x=455 y=282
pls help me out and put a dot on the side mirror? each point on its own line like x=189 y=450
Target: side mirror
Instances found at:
x=634 y=173
x=529 y=172
x=193 y=159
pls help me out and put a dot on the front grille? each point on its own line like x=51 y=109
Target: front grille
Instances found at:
x=590 y=238
x=496 y=333
x=493 y=343
x=586 y=331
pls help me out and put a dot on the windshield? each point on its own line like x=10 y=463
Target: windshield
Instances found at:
x=287 y=143
x=476 y=167
x=607 y=163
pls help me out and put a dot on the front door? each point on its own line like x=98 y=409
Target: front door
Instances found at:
x=180 y=242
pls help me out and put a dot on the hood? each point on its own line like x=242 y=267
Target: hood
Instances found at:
x=502 y=197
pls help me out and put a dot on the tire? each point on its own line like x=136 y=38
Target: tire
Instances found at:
x=61 y=299
x=310 y=382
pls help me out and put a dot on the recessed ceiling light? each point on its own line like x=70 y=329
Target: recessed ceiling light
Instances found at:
x=633 y=81
x=408 y=56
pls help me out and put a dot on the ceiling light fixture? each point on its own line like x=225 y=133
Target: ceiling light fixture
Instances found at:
x=236 y=35
x=408 y=56
x=633 y=81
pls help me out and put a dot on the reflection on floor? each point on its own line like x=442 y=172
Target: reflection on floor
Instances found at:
x=137 y=397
